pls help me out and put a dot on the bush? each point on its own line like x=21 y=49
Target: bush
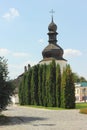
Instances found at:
x=6 y=87
x=83 y=111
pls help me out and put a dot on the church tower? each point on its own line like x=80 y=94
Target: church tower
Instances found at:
x=53 y=50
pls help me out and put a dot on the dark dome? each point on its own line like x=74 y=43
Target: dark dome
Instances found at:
x=52 y=27
x=54 y=51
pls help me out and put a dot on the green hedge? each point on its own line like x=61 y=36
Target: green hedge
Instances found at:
x=44 y=85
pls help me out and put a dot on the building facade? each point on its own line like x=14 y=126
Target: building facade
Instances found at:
x=81 y=92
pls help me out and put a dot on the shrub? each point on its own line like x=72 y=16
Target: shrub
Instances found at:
x=83 y=111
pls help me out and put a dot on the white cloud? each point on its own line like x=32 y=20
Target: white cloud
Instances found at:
x=17 y=69
x=20 y=54
x=71 y=53
x=4 y=51
x=11 y=14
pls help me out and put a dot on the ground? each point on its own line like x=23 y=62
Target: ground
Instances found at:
x=27 y=118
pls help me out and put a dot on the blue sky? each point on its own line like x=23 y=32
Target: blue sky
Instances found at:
x=24 y=28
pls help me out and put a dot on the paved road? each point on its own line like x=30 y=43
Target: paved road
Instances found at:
x=24 y=118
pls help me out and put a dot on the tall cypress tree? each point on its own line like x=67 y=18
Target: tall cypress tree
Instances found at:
x=26 y=90
x=44 y=96
x=63 y=89
x=34 y=86
x=29 y=85
x=20 y=94
x=22 y=91
x=51 y=84
x=58 y=85
x=47 y=97
x=70 y=89
x=40 y=73
x=67 y=89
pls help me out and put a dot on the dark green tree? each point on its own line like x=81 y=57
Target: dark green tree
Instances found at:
x=70 y=88
x=58 y=85
x=82 y=79
x=22 y=91
x=40 y=73
x=63 y=89
x=29 y=85
x=67 y=89
x=6 y=87
x=76 y=77
x=26 y=90
x=34 y=86
x=44 y=97
x=47 y=96
x=51 y=84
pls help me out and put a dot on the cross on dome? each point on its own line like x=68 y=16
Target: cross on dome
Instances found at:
x=52 y=12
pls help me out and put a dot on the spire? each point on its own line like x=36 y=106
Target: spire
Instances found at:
x=52 y=19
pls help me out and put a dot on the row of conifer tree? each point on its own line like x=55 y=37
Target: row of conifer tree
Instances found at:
x=45 y=85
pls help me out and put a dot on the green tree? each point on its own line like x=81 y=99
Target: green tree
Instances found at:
x=26 y=90
x=58 y=85
x=40 y=73
x=29 y=85
x=44 y=97
x=34 y=86
x=6 y=87
x=63 y=88
x=47 y=96
x=82 y=79
x=70 y=88
x=22 y=92
x=51 y=84
x=67 y=89
x=78 y=78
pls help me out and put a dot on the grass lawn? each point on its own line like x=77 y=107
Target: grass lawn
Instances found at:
x=42 y=107
x=78 y=106
x=81 y=105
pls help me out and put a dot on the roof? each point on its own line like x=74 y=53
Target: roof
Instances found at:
x=81 y=84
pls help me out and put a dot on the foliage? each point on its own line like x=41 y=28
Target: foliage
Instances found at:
x=44 y=85
x=40 y=73
x=52 y=84
x=44 y=80
x=81 y=105
x=58 y=86
x=67 y=89
x=63 y=89
x=70 y=92
x=34 y=85
x=78 y=78
x=83 y=111
x=6 y=87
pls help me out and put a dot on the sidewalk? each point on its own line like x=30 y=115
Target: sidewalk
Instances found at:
x=26 y=118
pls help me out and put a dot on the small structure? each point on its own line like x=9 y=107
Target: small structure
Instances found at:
x=81 y=92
